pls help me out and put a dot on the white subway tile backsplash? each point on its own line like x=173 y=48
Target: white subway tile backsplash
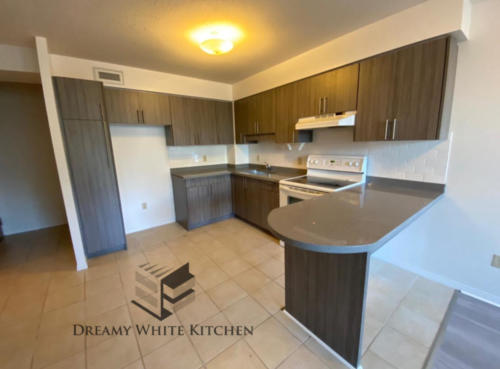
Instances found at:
x=412 y=160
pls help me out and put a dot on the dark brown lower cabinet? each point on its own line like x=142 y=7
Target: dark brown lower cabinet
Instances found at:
x=326 y=293
x=238 y=192
x=200 y=201
x=90 y=160
x=254 y=199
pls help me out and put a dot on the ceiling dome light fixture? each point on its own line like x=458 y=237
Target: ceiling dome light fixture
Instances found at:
x=216 y=46
x=216 y=39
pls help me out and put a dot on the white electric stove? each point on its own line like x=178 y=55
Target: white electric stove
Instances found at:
x=325 y=174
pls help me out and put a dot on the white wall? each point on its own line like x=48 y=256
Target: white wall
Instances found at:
x=143 y=173
x=419 y=161
x=455 y=240
x=238 y=154
x=428 y=19
x=143 y=79
x=30 y=196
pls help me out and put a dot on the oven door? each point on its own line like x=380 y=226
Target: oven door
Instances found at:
x=292 y=194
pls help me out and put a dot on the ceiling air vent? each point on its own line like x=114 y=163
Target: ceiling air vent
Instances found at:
x=108 y=76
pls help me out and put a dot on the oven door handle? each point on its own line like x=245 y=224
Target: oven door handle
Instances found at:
x=304 y=193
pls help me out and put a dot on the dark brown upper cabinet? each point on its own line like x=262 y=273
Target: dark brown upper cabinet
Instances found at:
x=137 y=107
x=277 y=111
x=224 y=122
x=242 y=120
x=79 y=99
x=265 y=118
x=290 y=107
x=377 y=76
x=405 y=94
x=155 y=108
x=198 y=121
x=255 y=115
x=122 y=105
x=333 y=92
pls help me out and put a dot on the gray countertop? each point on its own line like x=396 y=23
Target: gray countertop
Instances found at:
x=247 y=170
x=361 y=219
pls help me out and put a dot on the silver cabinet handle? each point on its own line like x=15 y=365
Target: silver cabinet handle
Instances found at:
x=325 y=109
x=142 y=113
x=394 y=122
x=386 y=128
x=293 y=136
x=320 y=104
x=138 y=117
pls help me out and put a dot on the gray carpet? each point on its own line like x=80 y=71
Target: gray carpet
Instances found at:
x=469 y=337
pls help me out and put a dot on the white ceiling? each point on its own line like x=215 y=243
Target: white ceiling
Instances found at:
x=154 y=34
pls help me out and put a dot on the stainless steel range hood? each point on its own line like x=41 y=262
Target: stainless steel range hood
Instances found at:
x=328 y=120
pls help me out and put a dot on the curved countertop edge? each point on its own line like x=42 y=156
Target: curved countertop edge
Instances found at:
x=350 y=249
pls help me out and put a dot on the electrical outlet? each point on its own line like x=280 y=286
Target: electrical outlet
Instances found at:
x=299 y=160
x=204 y=158
x=495 y=261
x=144 y=205
x=258 y=158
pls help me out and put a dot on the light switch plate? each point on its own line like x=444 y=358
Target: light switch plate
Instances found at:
x=495 y=261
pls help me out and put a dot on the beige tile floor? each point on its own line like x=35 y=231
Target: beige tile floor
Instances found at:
x=239 y=280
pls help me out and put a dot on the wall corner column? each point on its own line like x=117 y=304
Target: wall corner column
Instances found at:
x=44 y=65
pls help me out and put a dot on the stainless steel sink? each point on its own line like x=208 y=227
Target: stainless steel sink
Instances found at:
x=257 y=172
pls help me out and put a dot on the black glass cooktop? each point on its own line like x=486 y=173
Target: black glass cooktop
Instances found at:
x=321 y=182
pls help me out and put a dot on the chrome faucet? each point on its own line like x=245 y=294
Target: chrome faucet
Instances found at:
x=267 y=165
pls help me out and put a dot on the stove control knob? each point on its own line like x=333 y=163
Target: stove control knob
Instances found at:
x=356 y=164
x=315 y=161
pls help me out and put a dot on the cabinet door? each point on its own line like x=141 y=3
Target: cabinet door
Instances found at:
x=122 y=106
x=253 y=201
x=242 y=119
x=238 y=196
x=375 y=97
x=193 y=121
x=290 y=107
x=78 y=98
x=181 y=128
x=199 y=202
x=203 y=121
x=264 y=105
x=269 y=197
x=343 y=96
x=335 y=91
x=224 y=122
x=94 y=184
x=154 y=108
x=420 y=71
x=220 y=197
x=286 y=112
